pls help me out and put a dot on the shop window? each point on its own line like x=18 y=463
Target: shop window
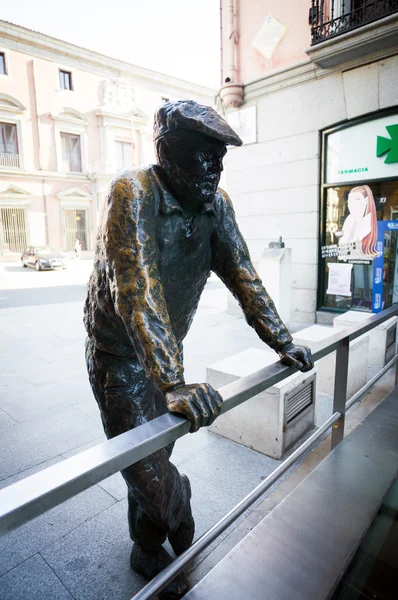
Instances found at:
x=352 y=216
x=359 y=228
x=65 y=80
x=71 y=153
x=3 y=64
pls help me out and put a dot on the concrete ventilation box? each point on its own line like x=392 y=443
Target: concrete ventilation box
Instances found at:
x=357 y=363
x=275 y=419
x=383 y=339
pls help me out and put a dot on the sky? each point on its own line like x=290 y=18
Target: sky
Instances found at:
x=177 y=37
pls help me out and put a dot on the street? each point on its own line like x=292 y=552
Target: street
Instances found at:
x=26 y=287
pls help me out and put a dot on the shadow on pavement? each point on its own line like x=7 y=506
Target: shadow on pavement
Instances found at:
x=13 y=269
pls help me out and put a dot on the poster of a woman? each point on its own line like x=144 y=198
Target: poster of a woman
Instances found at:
x=359 y=232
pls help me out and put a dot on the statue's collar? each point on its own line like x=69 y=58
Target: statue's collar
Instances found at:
x=169 y=205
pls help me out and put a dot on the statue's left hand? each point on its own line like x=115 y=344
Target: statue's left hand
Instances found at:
x=297 y=356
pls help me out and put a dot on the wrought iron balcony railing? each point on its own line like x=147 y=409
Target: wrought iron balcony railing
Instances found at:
x=330 y=18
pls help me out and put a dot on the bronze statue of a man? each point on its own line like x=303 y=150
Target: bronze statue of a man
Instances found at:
x=165 y=227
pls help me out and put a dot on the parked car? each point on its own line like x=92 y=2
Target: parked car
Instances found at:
x=43 y=258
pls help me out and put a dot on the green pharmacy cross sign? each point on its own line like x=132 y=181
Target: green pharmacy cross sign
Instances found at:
x=389 y=146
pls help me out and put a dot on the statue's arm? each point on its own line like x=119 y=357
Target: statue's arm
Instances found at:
x=231 y=262
x=131 y=253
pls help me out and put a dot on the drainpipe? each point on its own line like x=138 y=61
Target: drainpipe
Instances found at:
x=43 y=181
x=231 y=43
x=232 y=92
x=221 y=46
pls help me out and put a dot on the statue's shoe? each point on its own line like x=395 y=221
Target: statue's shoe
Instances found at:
x=181 y=539
x=150 y=563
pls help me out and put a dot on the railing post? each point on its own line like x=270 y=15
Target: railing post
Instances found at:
x=340 y=390
x=396 y=373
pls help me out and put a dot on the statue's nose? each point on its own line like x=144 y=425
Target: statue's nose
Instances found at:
x=216 y=166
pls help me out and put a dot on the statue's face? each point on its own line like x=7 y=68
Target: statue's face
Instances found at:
x=193 y=165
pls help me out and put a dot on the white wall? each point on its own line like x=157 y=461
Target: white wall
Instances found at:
x=274 y=184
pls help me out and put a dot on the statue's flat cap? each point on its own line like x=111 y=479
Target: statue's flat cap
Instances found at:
x=191 y=116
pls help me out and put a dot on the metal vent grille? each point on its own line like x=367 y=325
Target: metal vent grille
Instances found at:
x=391 y=342
x=298 y=400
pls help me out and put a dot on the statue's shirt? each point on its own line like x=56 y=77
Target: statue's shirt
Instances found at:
x=151 y=265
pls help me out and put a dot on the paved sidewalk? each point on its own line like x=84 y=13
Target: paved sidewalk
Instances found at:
x=47 y=413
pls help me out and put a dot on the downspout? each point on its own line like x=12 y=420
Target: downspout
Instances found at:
x=232 y=40
x=231 y=92
x=43 y=181
x=221 y=46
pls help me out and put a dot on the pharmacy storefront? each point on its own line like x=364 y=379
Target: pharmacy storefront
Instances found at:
x=358 y=265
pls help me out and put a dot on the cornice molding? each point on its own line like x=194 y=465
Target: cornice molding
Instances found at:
x=304 y=72
x=40 y=175
x=70 y=115
x=10 y=104
x=74 y=194
x=15 y=192
x=38 y=44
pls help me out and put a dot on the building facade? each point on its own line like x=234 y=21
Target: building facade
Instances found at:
x=312 y=87
x=70 y=119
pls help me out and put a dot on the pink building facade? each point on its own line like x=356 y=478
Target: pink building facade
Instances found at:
x=311 y=87
x=70 y=119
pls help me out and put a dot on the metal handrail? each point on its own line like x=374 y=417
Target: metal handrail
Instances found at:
x=161 y=580
x=178 y=565
x=34 y=495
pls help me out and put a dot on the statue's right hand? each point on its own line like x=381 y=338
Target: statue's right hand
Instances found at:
x=198 y=402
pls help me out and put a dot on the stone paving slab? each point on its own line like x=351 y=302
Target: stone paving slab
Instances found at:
x=6 y=421
x=191 y=444
x=23 y=400
x=233 y=469
x=35 y=580
x=36 y=440
x=93 y=560
x=27 y=540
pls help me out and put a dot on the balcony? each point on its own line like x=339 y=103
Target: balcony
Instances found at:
x=343 y=31
x=9 y=160
x=335 y=17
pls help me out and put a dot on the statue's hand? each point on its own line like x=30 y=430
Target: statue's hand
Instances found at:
x=297 y=356
x=198 y=402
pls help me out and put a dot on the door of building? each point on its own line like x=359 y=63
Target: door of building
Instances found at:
x=13 y=231
x=76 y=223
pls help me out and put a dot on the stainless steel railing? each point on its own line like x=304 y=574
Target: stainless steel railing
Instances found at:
x=26 y=499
